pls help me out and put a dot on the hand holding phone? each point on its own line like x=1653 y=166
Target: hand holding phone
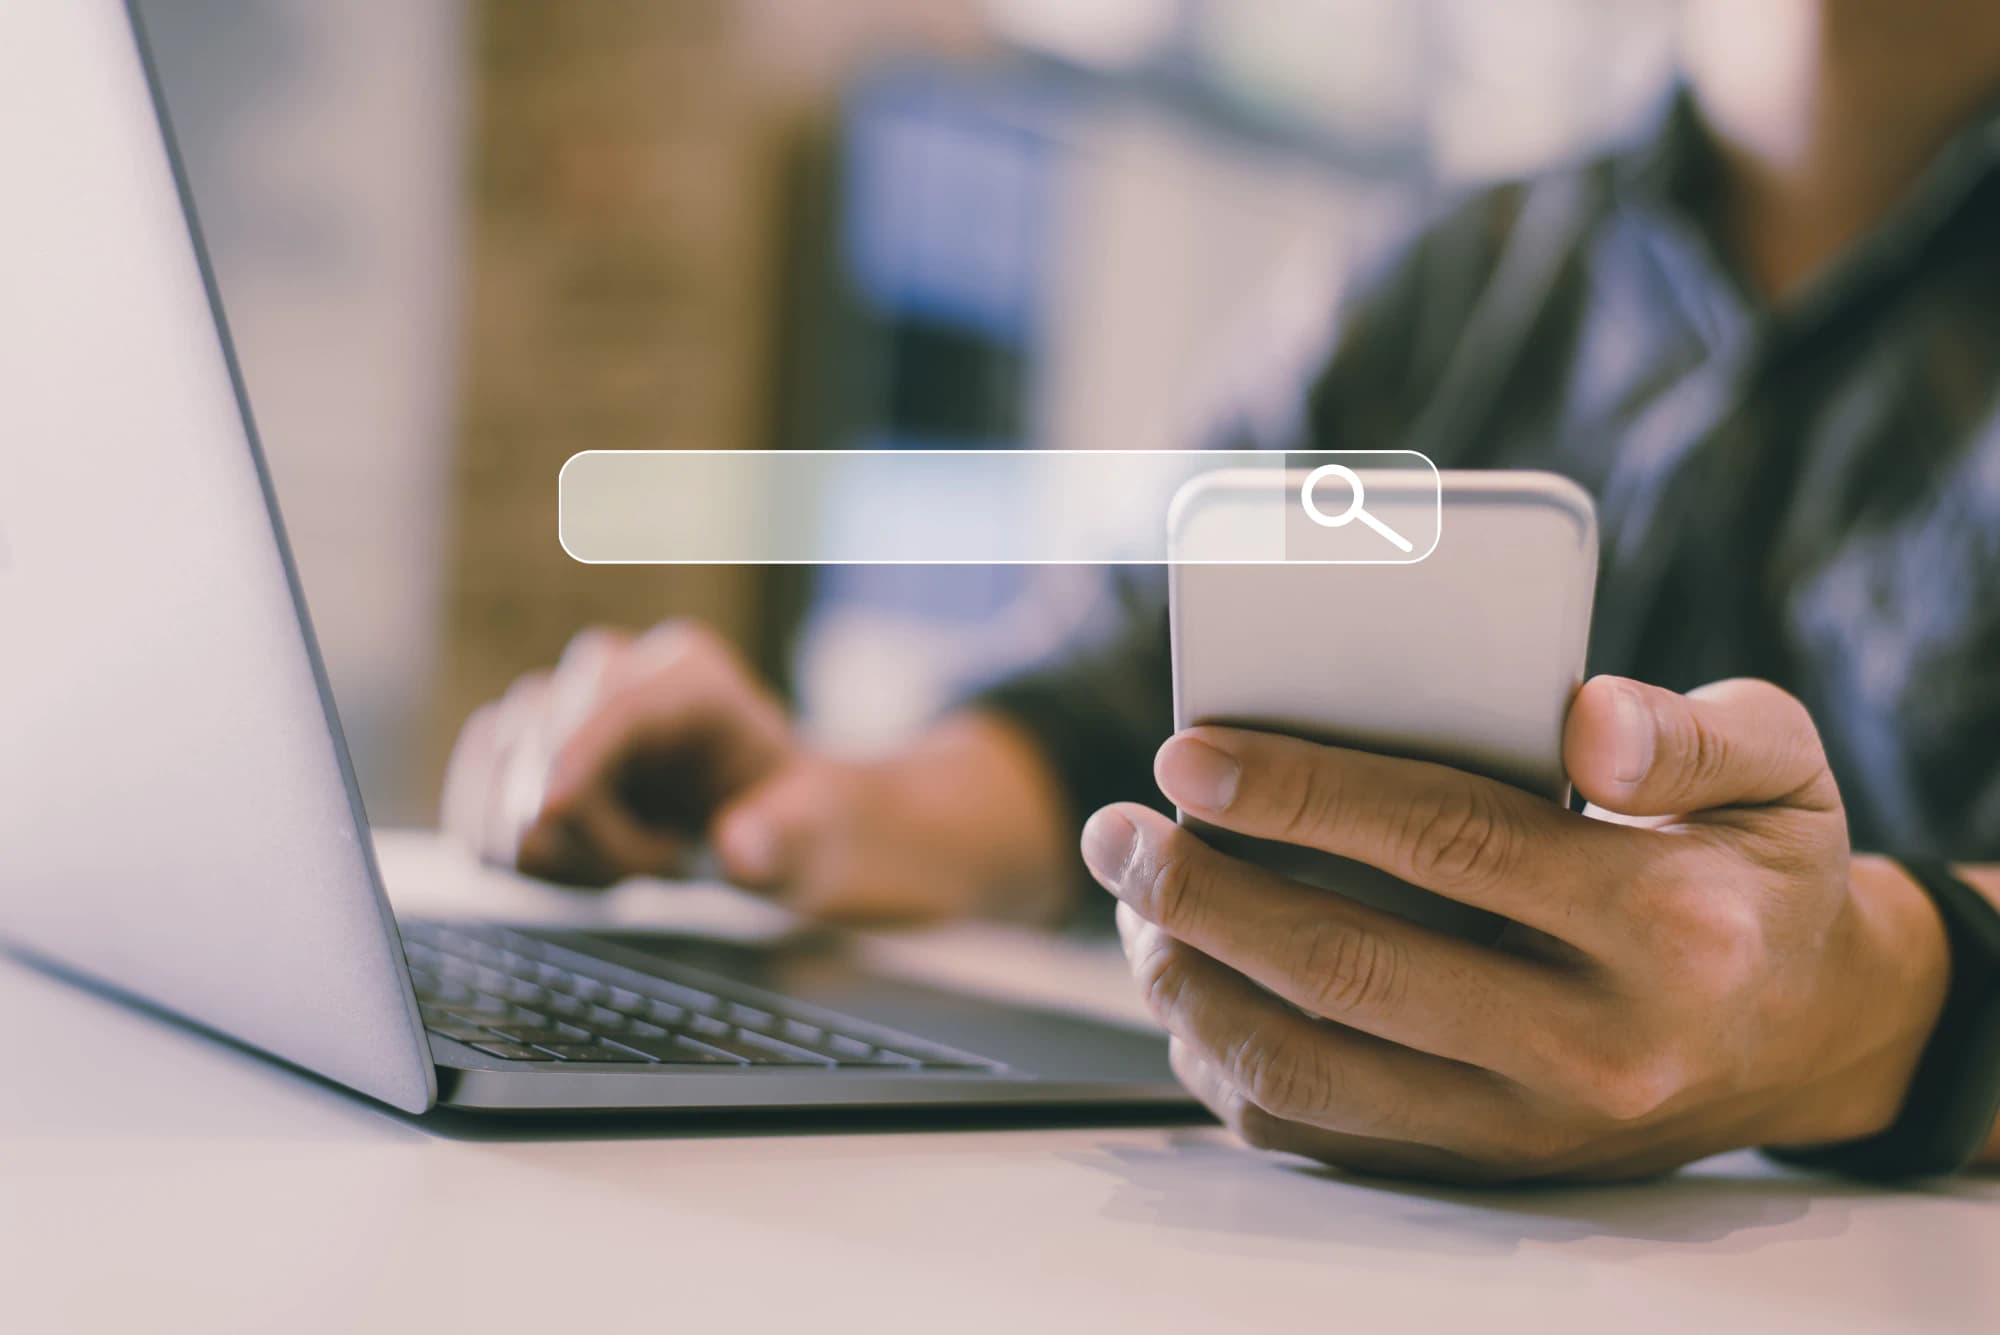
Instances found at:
x=1468 y=657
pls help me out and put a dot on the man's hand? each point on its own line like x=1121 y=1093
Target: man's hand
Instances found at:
x=1699 y=964
x=634 y=755
x=617 y=762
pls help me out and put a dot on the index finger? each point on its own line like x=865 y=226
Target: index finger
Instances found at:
x=678 y=689
x=1466 y=837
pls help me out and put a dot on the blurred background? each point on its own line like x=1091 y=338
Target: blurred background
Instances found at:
x=460 y=240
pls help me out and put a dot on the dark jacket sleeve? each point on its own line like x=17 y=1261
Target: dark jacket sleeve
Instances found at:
x=1099 y=712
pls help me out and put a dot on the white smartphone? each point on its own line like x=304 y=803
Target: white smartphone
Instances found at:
x=1468 y=657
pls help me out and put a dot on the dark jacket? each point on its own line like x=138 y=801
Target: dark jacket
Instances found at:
x=1808 y=494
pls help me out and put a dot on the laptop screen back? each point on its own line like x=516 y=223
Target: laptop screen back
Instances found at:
x=177 y=812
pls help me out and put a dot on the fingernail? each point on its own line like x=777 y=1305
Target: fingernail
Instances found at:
x=1108 y=842
x=748 y=847
x=1632 y=757
x=1197 y=776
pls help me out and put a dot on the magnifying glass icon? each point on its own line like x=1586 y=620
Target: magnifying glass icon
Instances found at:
x=1357 y=510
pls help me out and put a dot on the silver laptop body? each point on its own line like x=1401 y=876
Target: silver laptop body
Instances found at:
x=179 y=822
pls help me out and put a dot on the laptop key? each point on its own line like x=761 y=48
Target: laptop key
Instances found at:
x=880 y=1057
x=492 y=956
x=680 y=994
x=840 y=1045
x=598 y=1017
x=491 y=980
x=463 y=1033
x=462 y=1015
x=840 y=1050
x=744 y=1040
x=543 y=1036
x=513 y=1052
x=665 y=1012
x=749 y=1017
x=483 y=1005
x=591 y=1052
x=681 y=1052
x=855 y=1052
x=832 y=1048
x=757 y=1053
x=940 y=1059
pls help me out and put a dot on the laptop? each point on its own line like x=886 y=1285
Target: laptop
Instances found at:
x=179 y=822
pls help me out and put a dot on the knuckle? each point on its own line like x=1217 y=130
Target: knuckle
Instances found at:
x=703 y=647
x=1560 y=1039
x=1709 y=759
x=1621 y=1084
x=1635 y=1088
x=1794 y=720
x=1706 y=938
x=1310 y=797
x=688 y=634
x=673 y=652
x=1350 y=970
x=525 y=691
x=1765 y=698
x=1457 y=835
x=1773 y=747
x=1162 y=975
x=1281 y=1077
x=599 y=639
x=1173 y=890
x=1803 y=757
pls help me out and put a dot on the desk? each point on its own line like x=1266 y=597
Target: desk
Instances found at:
x=187 y=1186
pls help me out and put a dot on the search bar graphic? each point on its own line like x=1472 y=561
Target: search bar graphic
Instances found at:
x=1000 y=507
x=1357 y=507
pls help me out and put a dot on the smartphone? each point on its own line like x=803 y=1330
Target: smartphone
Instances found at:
x=1468 y=657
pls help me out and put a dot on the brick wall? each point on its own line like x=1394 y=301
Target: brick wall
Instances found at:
x=624 y=286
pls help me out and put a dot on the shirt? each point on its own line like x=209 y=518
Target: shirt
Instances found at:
x=1807 y=493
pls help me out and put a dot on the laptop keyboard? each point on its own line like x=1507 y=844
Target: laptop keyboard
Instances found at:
x=521 y=999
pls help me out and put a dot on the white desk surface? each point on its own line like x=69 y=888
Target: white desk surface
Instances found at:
x=152 y=1179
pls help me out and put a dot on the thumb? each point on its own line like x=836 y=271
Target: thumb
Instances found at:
x=763 y=837
x=1638 y=750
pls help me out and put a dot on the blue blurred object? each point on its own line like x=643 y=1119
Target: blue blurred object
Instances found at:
x=961 y=241
x=946 y=205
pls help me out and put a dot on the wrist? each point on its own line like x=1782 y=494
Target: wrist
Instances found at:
x=1890 y=970
x=994 y=815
